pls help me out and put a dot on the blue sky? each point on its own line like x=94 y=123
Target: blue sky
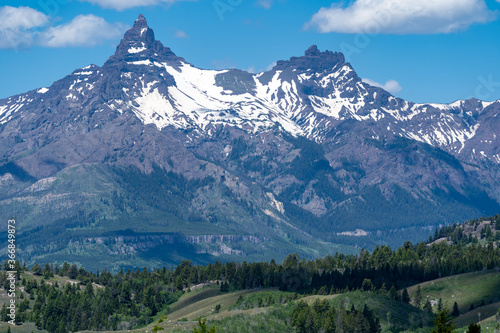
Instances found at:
x=422 y=51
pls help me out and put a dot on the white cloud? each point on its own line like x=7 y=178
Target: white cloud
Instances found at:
x=271 y=66
x=253 y=70
x=181 y=34
x=19 y=25
x=391 y=86
x=22 y=27
x=83 y=30
x=266 y=4
x=126 y=4
x=401 y=16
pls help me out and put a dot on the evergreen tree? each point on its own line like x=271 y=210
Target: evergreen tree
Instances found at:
x=157 y=328
x=474 y=328
x=383 y=289
x=455 y=312
x=367 y=285
x=428 y=306
x=224 y=287
x=89 y=289
x=442 y=323
x=202 y=325
x=4 y=313
x=440 y=304
x=418 y=297
x=36 y=270
x=393 y=293
x=405 y=297
x=497 y=317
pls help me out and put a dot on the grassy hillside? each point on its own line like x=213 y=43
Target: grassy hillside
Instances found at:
x=270 y=310
x=481 y=289
x=334 y=292
x=235 y=316
x=465 y=289
x=202 y=303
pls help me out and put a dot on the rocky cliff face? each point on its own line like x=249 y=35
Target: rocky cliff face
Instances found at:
x=298 y=156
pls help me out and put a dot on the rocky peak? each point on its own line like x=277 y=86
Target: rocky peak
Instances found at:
x=313 y=59
x=141 y=22
x=312 y=51
x=139 y=44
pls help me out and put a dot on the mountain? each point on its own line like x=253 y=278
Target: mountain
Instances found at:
x=149 y=160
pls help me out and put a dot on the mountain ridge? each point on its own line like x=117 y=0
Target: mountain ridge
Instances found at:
x=298 y=156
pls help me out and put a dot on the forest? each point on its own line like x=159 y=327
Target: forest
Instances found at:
x=67 y=298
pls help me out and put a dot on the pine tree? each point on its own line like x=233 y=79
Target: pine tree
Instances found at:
x=202 y=324
x=455 y=312
x=405 y=297
x=3 y=313
x=367 y=285
x=442 y=323
x=36 y=270
x=418 y=297
x=440 y=304
x=383 y=289
x=474 y=328
x=428 y=306
x=393 y=293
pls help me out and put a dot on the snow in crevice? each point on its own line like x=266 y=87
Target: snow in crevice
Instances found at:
x=146 y=62
x=84 y=73
x=196 y=100
x=134 y=50
x=3 y=109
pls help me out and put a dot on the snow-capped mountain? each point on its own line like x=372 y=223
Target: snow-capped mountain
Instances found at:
x=307 y=144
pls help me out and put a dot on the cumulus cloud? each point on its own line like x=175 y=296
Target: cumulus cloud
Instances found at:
x=401 y=16
x=391 y=86
x=19 y=26
x=126 y=4
x=23 y=27
x=266 y=4
x=181 y=34
x=83 y=30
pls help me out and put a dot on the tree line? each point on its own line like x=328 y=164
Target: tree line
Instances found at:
x=67 y=298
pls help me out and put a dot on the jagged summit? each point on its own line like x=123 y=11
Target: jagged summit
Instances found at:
x=313 y=59
x=300 y=155
x=313 y=51
x=139 y=45
x=141 y=21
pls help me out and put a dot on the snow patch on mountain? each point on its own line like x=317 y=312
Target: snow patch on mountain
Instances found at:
x=306 y=96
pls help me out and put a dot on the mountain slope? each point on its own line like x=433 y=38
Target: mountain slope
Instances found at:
x=149 y=150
